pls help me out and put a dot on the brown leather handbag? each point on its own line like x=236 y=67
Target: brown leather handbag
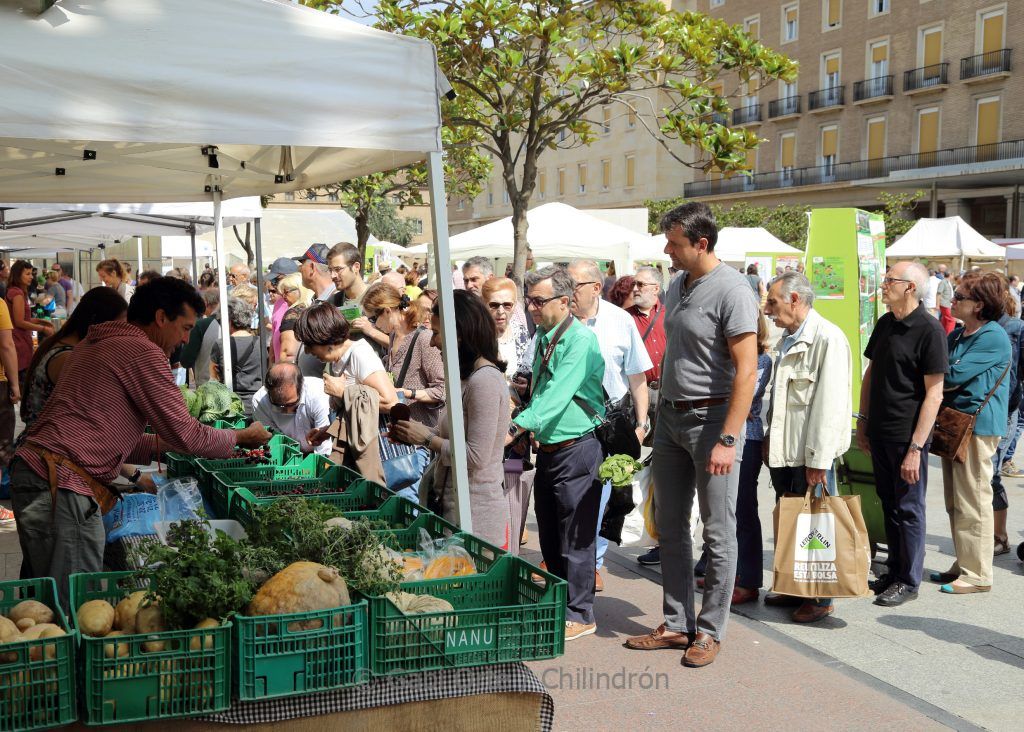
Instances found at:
x=954 y=429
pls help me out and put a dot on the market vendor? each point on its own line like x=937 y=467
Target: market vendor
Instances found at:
x=115 y=383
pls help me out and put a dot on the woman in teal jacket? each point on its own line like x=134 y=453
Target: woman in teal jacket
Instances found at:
x=979 y=357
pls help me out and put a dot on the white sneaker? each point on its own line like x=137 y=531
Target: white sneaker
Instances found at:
x=574 y=630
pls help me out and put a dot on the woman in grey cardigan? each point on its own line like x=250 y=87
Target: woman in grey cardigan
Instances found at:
x=486 y=413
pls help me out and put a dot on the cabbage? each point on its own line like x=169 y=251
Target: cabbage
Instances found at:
x=213 y=401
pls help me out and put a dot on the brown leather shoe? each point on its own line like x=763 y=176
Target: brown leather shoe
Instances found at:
x=702 y=651
x=774 y=599
x=659 y=638
x=741 y=595
x=811 y=613
x=598 y=582
x=534 y=577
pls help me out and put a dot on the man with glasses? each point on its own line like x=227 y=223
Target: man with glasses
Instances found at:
x=293 y=405
x=566 y=406
x=346 y=269
x=238 y=275
x=648 y=311
x=899 y=399
x=625 y=362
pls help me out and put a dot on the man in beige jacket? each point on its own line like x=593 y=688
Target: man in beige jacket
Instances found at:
x=811 y=406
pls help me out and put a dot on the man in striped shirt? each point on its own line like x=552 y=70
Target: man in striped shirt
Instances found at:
x=115 y=383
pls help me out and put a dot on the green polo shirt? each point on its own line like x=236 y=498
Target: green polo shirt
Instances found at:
x=576 y=369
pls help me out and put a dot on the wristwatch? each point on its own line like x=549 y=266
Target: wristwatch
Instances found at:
x=914 y=447
x=647 y=427
x=727 y=440
x=134 y=479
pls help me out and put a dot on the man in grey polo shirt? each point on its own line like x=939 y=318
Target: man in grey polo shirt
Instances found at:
x=708 y=380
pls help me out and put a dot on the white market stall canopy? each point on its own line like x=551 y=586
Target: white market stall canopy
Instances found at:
x=734 y=243
x=948 y=237
x=556 y=232
x=162 y=100
x=1014 y=248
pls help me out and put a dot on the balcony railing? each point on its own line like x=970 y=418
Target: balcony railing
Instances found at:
x=824 y=98
x=857 y=170
x=746 y=115
x=926 y=77
x=784 y=106
x=880 y=86
x=994 y=62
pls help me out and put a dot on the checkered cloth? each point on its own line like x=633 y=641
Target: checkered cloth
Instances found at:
x=430 y=686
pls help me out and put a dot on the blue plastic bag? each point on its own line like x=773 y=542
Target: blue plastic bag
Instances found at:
x=133 y=515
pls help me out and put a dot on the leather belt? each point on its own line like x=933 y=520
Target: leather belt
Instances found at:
x=683 y=405
x=556 y=446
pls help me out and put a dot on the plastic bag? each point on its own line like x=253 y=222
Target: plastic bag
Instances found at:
x=180 y=500
x=134 y=515
x=436 y=559
x=640 y=527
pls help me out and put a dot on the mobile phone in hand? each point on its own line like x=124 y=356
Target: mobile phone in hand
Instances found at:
x=399 y=413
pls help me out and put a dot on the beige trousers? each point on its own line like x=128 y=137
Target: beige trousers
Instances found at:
x=968 y=492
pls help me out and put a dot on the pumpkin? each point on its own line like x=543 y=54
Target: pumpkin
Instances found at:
x=299 y=588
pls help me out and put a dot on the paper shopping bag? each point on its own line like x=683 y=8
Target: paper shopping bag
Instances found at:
x=821 y=547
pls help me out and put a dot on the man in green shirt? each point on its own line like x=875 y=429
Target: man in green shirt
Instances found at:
x=566 y=405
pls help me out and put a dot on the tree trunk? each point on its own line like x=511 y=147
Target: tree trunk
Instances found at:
x=250 y=256
x=362 y=218
x=519 y=229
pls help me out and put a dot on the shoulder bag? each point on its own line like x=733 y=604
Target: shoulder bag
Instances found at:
x=954 y=429
x=401 y=463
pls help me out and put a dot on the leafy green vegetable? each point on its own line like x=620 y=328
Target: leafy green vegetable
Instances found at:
x=213 y=401
x=619 y=469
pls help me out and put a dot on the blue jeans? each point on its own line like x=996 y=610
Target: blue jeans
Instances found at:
x=602 y=543
x=412 y=492
x=999 y=500
x=794 y=480
x=1011 y=449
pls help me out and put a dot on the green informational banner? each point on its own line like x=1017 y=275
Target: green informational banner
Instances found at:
x=846 y=263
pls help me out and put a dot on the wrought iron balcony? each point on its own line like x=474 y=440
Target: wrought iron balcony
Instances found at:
x=985 y=64
x=880 y=86
x=926 y=77
x=784 y=106
x=746 y=115
x=825 y=98
x=857 y=170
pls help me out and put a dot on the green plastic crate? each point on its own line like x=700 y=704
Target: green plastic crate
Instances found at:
x=276 y=482
x=301 y=653
x=283 y=451
x=36 y=694
x=395 y=513
x=361 y=494
x=141 y=685
x=229 y=424
x=499 y=616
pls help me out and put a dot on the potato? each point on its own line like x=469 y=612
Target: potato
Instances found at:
x=25 y=623
x=126 y=610
x=8 y=629
x=121 y=648
x=95 y=618
x=36 y=652
x=150 y=619
x=31 y=609
x=36 y=631
x=205 y=642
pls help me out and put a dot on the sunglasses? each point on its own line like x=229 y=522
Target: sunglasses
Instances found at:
x=960 y=297
x=496 y=306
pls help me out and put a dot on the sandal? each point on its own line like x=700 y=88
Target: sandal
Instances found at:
x=1002 y=546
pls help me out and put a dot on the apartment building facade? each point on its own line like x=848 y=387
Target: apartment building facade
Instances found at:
x=891 y=95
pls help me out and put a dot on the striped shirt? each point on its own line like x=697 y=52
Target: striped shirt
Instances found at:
x=114 y=383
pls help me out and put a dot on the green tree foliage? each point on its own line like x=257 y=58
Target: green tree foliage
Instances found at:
x=897 y=211
x=535 y=76
x=788 y=223
x=385 y=223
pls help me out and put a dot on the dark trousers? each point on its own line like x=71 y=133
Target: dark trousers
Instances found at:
x=7 y=424
x=567 y=501
x=749 y=562
x=903 y=506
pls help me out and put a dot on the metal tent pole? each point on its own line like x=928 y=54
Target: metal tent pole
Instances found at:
x=259 y=300
x=195 y=267
x=449 y=347
x=222 y=284
x=138 y=272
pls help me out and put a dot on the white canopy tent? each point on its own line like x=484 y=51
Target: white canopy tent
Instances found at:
x=950 y=237
x=556 y=231
x=734 y=243
x=152 y=100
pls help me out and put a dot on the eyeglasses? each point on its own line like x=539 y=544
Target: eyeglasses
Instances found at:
x=539 y=302
x=890 y=280
x=581 y=284
x=496 y=306
x=960 y=297
x=338 y=270
x=637 y=285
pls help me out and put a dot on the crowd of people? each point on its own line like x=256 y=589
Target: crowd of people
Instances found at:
x=685 y=357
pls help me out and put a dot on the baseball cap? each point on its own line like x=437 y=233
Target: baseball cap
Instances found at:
x=282 y=266
x=316 y=253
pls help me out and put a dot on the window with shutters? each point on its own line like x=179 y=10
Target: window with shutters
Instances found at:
x=753 y=27
x=561 y=181
x=875 y=148
x=490 y=196
x=461 y=206
x=606 y=174
x=606 y=119
x=831 y=83
x=987 y=127
x=878 y=59
x=787 y=154
x=542 y=184
x=790 y=22
x=991 y=31
x=929 y=52
x=878 y=7
x=630 y=171
x=927 y=136
x=831 y=14
x=581 y=177
x=829 y=149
